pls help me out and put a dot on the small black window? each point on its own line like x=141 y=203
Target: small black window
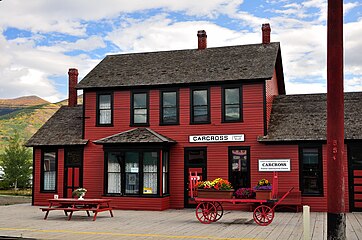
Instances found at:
x=311 y=174
x=49 y=171
x=165 y=173
x=104 y=109
x=139 y=108
x=231 y=109
x=169 y=108
x=200 y=106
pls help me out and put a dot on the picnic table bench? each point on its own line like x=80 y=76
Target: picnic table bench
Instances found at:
x=70 y=205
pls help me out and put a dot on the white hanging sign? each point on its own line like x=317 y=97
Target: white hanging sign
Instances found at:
x=217 y=138
x=274 y=165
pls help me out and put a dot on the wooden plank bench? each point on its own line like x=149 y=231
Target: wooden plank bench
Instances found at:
x=292 y=201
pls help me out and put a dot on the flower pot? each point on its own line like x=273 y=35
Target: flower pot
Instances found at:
x=211 y=193
x=263 y=194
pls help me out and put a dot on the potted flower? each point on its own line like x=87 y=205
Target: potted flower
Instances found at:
x=217 y=188
x=245 y=193
x=79 y=192
x=263 y=189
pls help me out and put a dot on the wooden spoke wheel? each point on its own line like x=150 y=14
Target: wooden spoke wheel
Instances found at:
x=219 y=210
x=263 y=215
x=206 y=212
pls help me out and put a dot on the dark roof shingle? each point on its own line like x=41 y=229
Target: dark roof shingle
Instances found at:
x=303 y=117
x=136 y=135
x=63 y=128
x=244 y=62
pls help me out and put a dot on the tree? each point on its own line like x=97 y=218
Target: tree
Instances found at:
x=17 y=163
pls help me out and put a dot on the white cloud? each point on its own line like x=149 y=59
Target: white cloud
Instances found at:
x=66 y=16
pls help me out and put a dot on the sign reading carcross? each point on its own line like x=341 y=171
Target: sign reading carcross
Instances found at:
x=217 y=138
x=274 y=165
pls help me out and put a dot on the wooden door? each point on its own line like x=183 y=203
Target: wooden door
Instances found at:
x=195 y=161
x=355 y=176
x=73 y=170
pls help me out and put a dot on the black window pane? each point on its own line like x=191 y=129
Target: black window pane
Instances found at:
x=169 y=99
x=239 y=169
x=132 y=172
x=140 y=115
x=139 y=100
x=169 y=115
x=150 y=179
x=232 y=113
x=200 y=114
x=311 y=172
x=232 y=96
x=105 y=116
x=196 y=157
x=104 y=101
x=200 y=97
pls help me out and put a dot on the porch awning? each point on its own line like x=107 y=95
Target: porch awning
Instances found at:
x=136 y=135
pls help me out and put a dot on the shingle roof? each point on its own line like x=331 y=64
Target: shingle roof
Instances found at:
x=303 y=117
x=63 y=128
x=244 y=62
x=136 y=135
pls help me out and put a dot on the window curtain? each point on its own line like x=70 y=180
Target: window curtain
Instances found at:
x=49 y=180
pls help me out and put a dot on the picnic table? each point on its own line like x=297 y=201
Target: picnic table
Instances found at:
x=70 y=205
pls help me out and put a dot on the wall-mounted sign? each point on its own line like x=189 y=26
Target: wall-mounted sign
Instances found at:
x=274 y=165
x=217 y=138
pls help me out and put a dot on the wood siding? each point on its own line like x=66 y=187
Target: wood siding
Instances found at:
x=217 y=153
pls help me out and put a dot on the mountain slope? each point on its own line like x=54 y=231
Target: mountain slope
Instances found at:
x=16 y=104
x=27 y=120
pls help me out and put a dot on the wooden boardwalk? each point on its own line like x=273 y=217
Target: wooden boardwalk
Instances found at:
x=27 y=222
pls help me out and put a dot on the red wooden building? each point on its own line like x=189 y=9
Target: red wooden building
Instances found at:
x=147 y=119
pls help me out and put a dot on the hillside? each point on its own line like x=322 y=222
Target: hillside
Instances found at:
x=12 y=105
x=28 y=119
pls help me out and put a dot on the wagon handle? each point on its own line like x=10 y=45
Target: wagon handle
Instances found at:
x=283 y=197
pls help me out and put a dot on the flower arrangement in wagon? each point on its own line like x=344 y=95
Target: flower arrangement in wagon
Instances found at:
x=263 y=184
x=79 y=192
x=245 y=193
x=216 y=184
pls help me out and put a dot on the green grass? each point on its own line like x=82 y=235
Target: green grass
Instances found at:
x=20 y=192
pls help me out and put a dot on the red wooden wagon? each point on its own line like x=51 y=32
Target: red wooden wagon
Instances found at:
x=210 y=210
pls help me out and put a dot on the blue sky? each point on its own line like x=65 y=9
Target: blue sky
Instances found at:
x=41 y=39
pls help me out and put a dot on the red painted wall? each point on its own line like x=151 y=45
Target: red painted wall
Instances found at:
x=217 y=153
x=217 y=164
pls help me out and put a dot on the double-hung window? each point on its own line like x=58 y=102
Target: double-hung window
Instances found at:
x=169 y=113
x=200 y=106
x=311 y=174
x=104 y=109
x=49 y=171
x=139 y=108
x=231 y=108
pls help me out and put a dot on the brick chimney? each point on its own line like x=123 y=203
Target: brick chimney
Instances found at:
x=72 y=93
x=266 y=33
x=202 y=39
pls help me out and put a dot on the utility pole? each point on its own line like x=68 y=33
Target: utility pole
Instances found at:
x=336 y=217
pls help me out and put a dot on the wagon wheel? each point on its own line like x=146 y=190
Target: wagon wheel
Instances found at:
x=219 y=210
x=263 y=215
x=206 y=212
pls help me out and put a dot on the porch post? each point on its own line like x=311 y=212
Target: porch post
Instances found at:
x=336 y=218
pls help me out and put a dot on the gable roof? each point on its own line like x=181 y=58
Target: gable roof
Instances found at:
x=243 y=62
x=63 y=128
x=304 y=117
x=136 y=135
